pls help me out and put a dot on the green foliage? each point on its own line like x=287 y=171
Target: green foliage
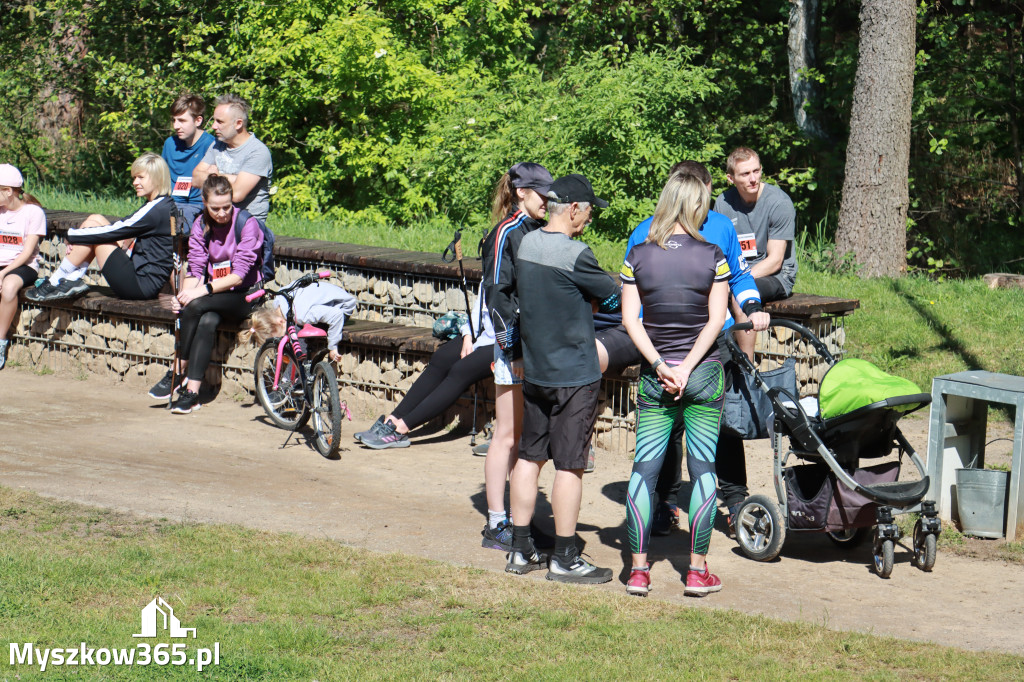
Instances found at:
x=411 y=110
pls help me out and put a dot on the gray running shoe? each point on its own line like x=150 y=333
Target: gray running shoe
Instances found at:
x=522 y=563
x=577 y=570
x=591 y=461
x=386 y=438
x=372 y=431
x=497 y=538
x=480 y=449
x=64 y=289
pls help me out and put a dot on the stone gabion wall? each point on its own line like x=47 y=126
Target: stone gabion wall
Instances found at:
x=776 y=344
x=384 y=296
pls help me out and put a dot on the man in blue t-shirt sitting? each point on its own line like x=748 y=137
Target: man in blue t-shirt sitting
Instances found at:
x=184 y=150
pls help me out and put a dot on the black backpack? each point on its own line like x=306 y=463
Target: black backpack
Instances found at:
x=267 y=253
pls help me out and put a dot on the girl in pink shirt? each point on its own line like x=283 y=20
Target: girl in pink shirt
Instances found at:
x=22 y=226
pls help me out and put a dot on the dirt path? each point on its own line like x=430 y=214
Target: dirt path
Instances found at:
x=105 y=444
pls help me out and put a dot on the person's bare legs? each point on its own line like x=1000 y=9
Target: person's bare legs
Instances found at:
x=523 y=491
x=602 y=356
x=566 y=496
x=9 y=289
x=502 y=453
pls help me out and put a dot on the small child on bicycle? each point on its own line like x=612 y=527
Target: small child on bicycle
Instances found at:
x=319 y=303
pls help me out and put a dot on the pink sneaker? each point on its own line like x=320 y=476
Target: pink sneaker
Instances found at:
x=639 y=583
x=698 y=584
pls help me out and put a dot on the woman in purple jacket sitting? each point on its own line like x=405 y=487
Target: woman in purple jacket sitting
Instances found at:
x=221 y=271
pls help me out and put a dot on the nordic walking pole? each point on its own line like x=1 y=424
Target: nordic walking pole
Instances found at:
x=177 y=277
x=454 y=251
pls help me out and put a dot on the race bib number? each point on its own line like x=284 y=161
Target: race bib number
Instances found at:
x=748 y=244
x=182 y=186
x=11 y=240
x=222 y=269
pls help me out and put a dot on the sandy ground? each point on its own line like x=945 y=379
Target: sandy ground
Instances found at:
x=106 y=444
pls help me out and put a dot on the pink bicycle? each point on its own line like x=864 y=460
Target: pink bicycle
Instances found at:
x=293 y=385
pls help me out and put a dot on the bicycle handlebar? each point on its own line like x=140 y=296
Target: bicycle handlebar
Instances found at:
x=303 y=281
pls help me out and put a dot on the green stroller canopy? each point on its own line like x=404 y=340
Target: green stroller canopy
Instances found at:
x=851 y=384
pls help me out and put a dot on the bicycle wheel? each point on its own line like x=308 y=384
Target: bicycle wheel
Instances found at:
x=285 y=405
x=326 y=410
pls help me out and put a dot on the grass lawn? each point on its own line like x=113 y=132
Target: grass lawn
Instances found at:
x=284 y=607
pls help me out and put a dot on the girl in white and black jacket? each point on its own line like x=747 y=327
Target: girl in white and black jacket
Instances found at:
x=134 y=254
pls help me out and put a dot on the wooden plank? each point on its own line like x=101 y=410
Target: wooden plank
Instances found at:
x=809 y=306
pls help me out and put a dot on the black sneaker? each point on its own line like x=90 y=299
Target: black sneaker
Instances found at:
x=187 y=402
x=522 y=563
x=666 y=519
x=497 y=538
x=64 y=289
x=386 y=438
x=372 y=431
x=4 y=345
x=576 y=569
x=162 y=390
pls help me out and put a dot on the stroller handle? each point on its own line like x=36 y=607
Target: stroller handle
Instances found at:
x=740 y=357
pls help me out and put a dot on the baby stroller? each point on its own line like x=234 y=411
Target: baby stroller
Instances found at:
x=853 y=418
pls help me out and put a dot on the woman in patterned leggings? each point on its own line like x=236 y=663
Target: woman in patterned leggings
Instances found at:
x=682 y=282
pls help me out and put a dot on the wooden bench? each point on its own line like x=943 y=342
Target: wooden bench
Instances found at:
x=385 y=345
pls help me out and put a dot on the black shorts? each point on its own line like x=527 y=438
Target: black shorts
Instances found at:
x=119 y=271
x=558 y=423
x=26 y=273
x=621 y=350
x=770 y=289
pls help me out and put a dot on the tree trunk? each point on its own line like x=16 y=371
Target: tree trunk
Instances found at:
x=804 y=18
x=60 y=113
x=873 y=214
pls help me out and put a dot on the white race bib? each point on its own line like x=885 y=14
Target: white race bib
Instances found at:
x=222 y=269
x=748 y=243
x=11 y=240
x=182 y=186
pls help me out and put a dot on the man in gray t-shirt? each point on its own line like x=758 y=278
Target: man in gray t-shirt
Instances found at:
x=239 y=156
x=765 y=223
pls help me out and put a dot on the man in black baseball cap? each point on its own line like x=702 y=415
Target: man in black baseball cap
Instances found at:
x=574 y=188
x=557 y=278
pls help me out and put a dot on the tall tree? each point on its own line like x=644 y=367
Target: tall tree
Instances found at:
x=804 y=19
x=873 y=213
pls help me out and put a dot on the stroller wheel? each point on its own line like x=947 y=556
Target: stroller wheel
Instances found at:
x=760 y=529
x=924 y=548
x=884 y=557
x=848 y=537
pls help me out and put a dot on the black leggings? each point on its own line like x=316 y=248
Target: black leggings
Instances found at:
x=199 y=322
x=443 y=380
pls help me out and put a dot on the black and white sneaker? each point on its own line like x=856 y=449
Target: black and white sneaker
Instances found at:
x=63 y=290
x=522 y=563
x=162 y=390
x=187 y=402
x=576 y=570
x=374 y=430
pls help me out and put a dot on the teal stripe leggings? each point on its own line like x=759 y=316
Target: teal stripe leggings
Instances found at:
x=659 y=416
